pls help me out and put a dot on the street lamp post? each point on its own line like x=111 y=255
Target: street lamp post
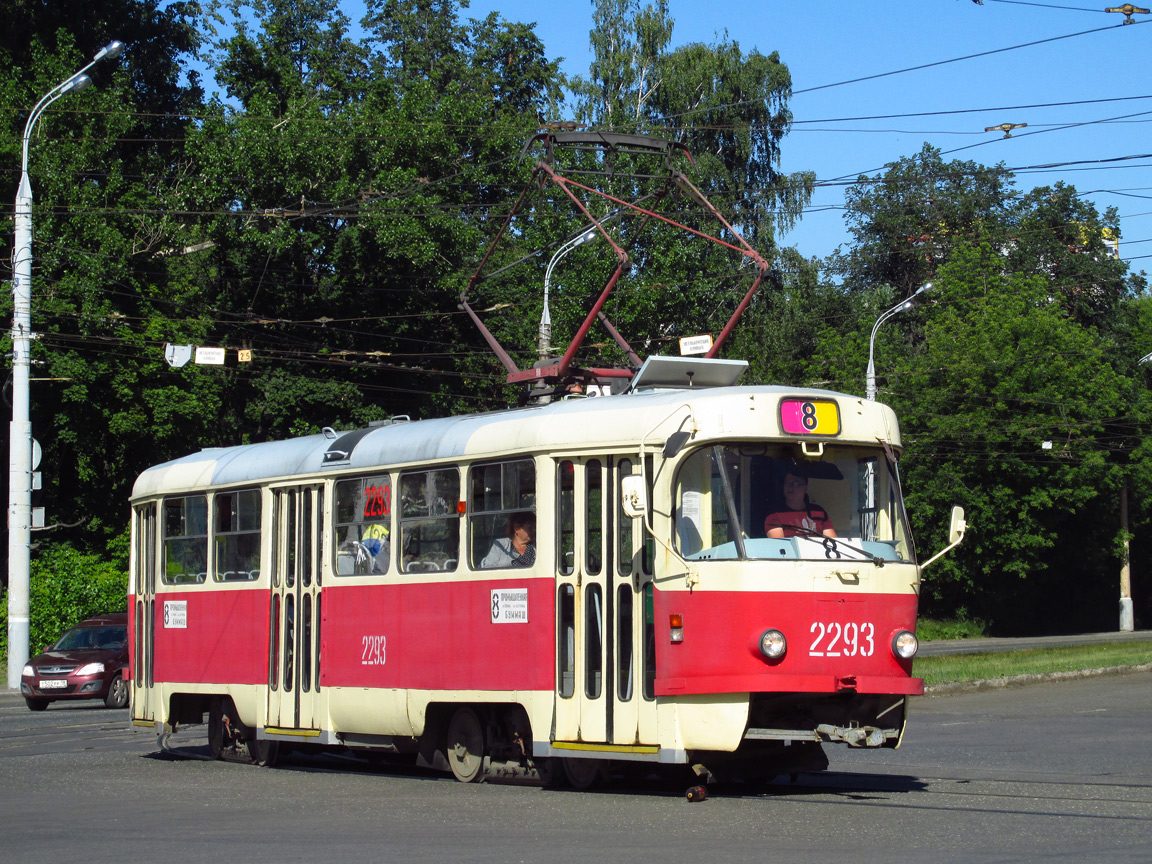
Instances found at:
x=870 y=377
x=544 y=339
x=20 y=433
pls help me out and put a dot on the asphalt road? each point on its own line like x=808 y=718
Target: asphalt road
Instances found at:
x=1049 y=772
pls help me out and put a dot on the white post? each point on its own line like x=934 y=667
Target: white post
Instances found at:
x=1127 y=621
x=20 y=430
x=20 y=440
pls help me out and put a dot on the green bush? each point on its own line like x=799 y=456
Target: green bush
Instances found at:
x=66 y=586
x=929 y=629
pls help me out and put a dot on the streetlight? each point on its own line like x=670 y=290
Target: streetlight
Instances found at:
x=20 y=441
x=870 y=381
x=544 y=339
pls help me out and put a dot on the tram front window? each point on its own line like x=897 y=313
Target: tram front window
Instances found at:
x=766 y=501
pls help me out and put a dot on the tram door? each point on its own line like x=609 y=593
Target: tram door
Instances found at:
x=599 y=610
x=294 y=639
x=144 y=612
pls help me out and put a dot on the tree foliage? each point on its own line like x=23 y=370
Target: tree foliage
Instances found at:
x=1015 y=379
x=65 y=587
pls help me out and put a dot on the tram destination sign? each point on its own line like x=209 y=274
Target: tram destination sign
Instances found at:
x=509 y=605
x=176 y=614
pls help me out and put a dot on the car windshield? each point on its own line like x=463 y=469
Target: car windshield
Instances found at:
x=108 y=638
x=769 y=501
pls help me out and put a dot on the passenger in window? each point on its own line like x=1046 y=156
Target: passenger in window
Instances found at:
x=518 y=549
x=370 y=553
x=798 y=515
x=374 y=538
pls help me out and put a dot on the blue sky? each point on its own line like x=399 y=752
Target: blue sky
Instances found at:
x=838 y=41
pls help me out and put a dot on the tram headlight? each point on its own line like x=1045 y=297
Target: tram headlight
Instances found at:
x=773 y=644
x=905 y=644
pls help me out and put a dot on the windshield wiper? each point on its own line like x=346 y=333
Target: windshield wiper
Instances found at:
x=830 y=543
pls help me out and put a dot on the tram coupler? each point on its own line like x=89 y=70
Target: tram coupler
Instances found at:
x=855 y=736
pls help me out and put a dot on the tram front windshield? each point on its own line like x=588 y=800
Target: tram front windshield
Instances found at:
x=771 y=501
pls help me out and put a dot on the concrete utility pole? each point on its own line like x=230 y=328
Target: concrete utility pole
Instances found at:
x=1127 y=622
x=20 y=465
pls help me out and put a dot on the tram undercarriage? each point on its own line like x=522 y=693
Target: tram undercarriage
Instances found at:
x=493 y=742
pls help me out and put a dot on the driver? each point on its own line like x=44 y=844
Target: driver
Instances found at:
x=799 y=515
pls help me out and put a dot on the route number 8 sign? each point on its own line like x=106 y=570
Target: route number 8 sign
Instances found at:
x=809 y=417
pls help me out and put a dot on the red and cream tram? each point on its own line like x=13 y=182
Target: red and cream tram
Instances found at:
x=672 y=605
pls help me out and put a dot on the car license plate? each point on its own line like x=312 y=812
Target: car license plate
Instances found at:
x=53 y=683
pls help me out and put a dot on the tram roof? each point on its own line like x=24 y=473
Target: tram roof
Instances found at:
x=569 y=424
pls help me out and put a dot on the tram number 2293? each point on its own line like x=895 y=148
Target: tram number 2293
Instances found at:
x=373 y=650
x=842 y=640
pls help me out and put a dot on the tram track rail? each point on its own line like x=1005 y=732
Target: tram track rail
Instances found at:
x=1025 y=796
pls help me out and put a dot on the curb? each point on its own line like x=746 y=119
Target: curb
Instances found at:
x=955 y=687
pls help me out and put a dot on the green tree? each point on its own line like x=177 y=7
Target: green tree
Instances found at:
x=905 y=222
x=1011 y=408
x=99 y=162
x=65 y=587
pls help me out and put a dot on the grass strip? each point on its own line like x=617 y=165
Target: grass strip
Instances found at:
x=994 y=665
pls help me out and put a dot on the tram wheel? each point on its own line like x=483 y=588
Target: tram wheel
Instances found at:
x=264 y=753
x=216 y=727
x=584 y=773
x=464 y=746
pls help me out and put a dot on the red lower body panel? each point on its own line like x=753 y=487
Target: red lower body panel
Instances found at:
x=211 y=637
x=440 y=636
x=836 y=642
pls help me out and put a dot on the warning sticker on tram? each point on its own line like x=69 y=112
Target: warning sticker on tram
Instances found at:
x=809 y=417
x=509 y=605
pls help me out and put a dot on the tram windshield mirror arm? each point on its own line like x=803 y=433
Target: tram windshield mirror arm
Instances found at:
x=956 y=530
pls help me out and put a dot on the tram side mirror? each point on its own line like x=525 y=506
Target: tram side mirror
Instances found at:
x=633 y=496
x=675 y=443
x=957 y=527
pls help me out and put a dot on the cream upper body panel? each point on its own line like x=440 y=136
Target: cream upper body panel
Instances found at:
x=602 y=424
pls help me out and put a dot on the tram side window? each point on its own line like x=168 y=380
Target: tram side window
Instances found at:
x=566 y=647
x=624 y=523
x=593 y=515
x=185 y=540
x=363 y=525
x=145 y=576
x=502 y=515
x=430 y=520
x=566 y=518
x=237 y=536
